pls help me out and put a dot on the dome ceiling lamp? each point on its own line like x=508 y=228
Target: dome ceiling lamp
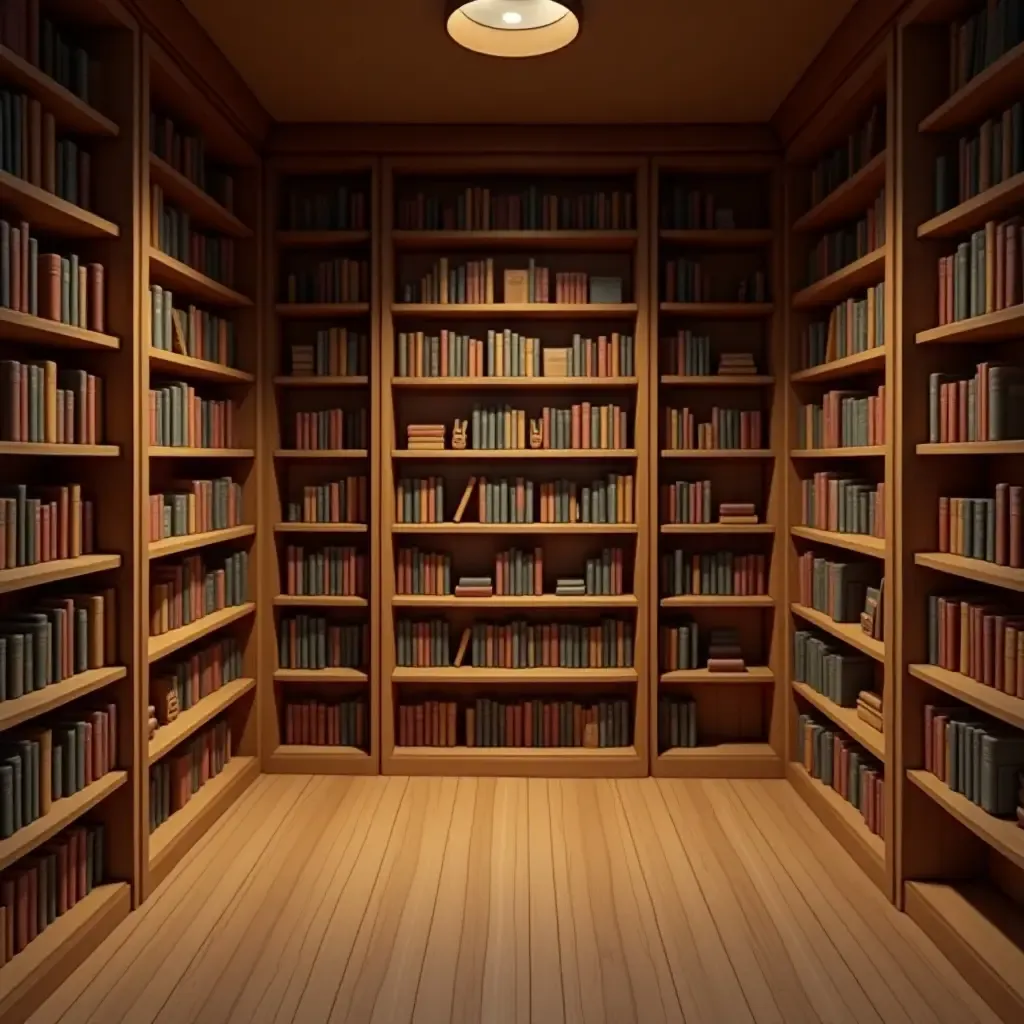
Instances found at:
x=514 y=28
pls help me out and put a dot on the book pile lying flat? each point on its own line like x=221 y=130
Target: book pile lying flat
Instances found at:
x=303 y=361
x=869 y=708
x=724 y=651
x=736 y=364
x=566 y=586
x=426 y=437
x=474 y=586
x=872 y=618
x=737 y=513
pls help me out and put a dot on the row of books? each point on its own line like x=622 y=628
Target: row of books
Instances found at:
x=197 y=506
x=582 y=425
x=311 y=642
x=976 y=756
x=989 y=406
x=844 y=160
x=509 y=354
x=844 y=419
x=834 y=672
x=979 y=639
x=839 y=248
x=49 y=285
x=829 y=756
x=681 y=648
x=686 y=501
x=337 y=280
x=184 y=593
x=839 y=589
x=311 y=205
x=677 y=722
x=330 y=429
x=841 y=504
x=983 y=275
x=426 y=644
x=727 y=429
x=691 y=209
x=991 y=154
x=180 y=684
x=480 y=208
x=334 y=352
x=171 y=232
x=690 y=355
x=317 y=723
x=33 y=36
x=175 y=779
x=45 y=885
x=44 y=524
x=56 y=758
x=980 y=39
x=179 y=418
x=340 y=501
x=685 y=280
x=514 y=723
x=54 y=638
x=46 y=405
x=985 y=528
x=186 y=153
x=190 y=331
x=333 y=570
x=853 y=326
x=721 y=573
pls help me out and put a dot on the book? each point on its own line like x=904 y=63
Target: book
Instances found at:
x=838 y=589
x=830 y=669
x=184 y=592
x=319 y=723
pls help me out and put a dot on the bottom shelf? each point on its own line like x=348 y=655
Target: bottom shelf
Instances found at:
x=556 y=762
x=37 y=970
x=178 y=834
x=844 y=821
x=980 y=933
x=721 y=761
x=299 y=759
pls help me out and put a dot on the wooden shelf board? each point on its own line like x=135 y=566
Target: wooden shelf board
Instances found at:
x=38 y=330
x=319 y=601
x=718 y=380
x=754 y=675
x=1004 y=706
x=871 y=360
x=852 y=197
x=201 y=369
x=320 y=675
x=971 y=448
x=1003 y=325
x=321 y=528
x=521 y=310
x=183 y=279
x=199 y=205
x=287 y=381
x=502 y=529
x=194 y=541
x=307 y=455
x=720 y=761
x=179 y=833
x=315 y=239
x=519 y=383
x=181 y=452
x=846 y=718
x=975 y=569
x=862 y=273
x=18 y=710
x=718 y=601
x=51 y=572
x=1003 y=835
x=718 y=310
x=515 y=453
x=167 y=737
x=717 y=528
x=718 y=238
x=850 y=632
x=876 y=451
x=980 y=932
x=321 y=310
x=61 y=814
x=78 y=451
x=972 y=214
x=874 y=547
x=297 y=759
x=844 y=821
x=717 y=453
x=515 y=676
x=535 y=762
x=36 y=972
x=167 y=643
x=595 y=601
x=584 y=240
x=49 y=214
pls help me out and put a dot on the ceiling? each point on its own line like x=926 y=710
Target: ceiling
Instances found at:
x=635 y=61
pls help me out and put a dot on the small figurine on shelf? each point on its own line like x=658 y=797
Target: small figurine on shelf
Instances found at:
x=536 y=433
x=459 y=431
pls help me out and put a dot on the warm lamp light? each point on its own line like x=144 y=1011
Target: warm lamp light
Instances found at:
x=514 y=28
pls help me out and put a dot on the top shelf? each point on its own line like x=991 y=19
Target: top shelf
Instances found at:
x=593 y=241
x=852 y=197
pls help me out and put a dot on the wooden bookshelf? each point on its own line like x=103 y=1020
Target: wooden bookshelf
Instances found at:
x=739 y=724
x=216 y=372
x=294 y=247
x=860 y=361
x=473 y=546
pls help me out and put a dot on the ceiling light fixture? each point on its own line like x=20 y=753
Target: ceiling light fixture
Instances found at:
x=514 y=28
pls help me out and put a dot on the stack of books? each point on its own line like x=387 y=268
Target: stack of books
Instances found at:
x=567 y=586
x=303 y=364
x=724 y=651
x=426 y=437
x=736 y=364
x=474 y=586
x=869 y=708
x=737 y=513
x=872 y=619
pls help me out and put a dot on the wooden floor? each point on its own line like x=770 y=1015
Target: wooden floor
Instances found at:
x=484 y=901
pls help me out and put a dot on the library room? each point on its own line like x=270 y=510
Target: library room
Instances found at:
x=505 y=514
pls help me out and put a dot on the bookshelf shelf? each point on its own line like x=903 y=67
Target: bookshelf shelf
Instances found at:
x=503 y=529
x=514 y=676
x=325 y=239
x=718 y=310
x=28 y=329
x=515 y=383
x=535 y=762
x=871 y=360
x=321 y=601
x=717 y=453
x=972 y=448
x=846 y=718
x=201 y=369
x=298 y=759
x=1003 y=325
x=515 y=454
x=62 y=813
x=18 y=710
x=874 y=547
x=1004 y=706
x=179 y=277
x=321 y=528
x=181 y=452
x=194 y=541
x=38 y=449
x=201 y=206
x=720 y=380
x=725 y=529
x=704 y=677
x=321 y=382
x=973 y=569
x=850 y=632
x=877 y=451
x=47 y=212
x=513 y=310
x=543 y=601
x=167 y=643
x=312 y=455
x=719 y=601
x=504 y=241
x=971 y=214
x=51 y=572
x=321 y=310
x=850 y=198
x=718 y=238
x=167 y=737
x=866 y=271
x=321 y=675
x=721 y=761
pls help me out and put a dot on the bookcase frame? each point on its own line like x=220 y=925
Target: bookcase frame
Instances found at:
x=547 y=762
x=275 y=756
x=739 y=759
x=193 y=110
x=874 y=78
